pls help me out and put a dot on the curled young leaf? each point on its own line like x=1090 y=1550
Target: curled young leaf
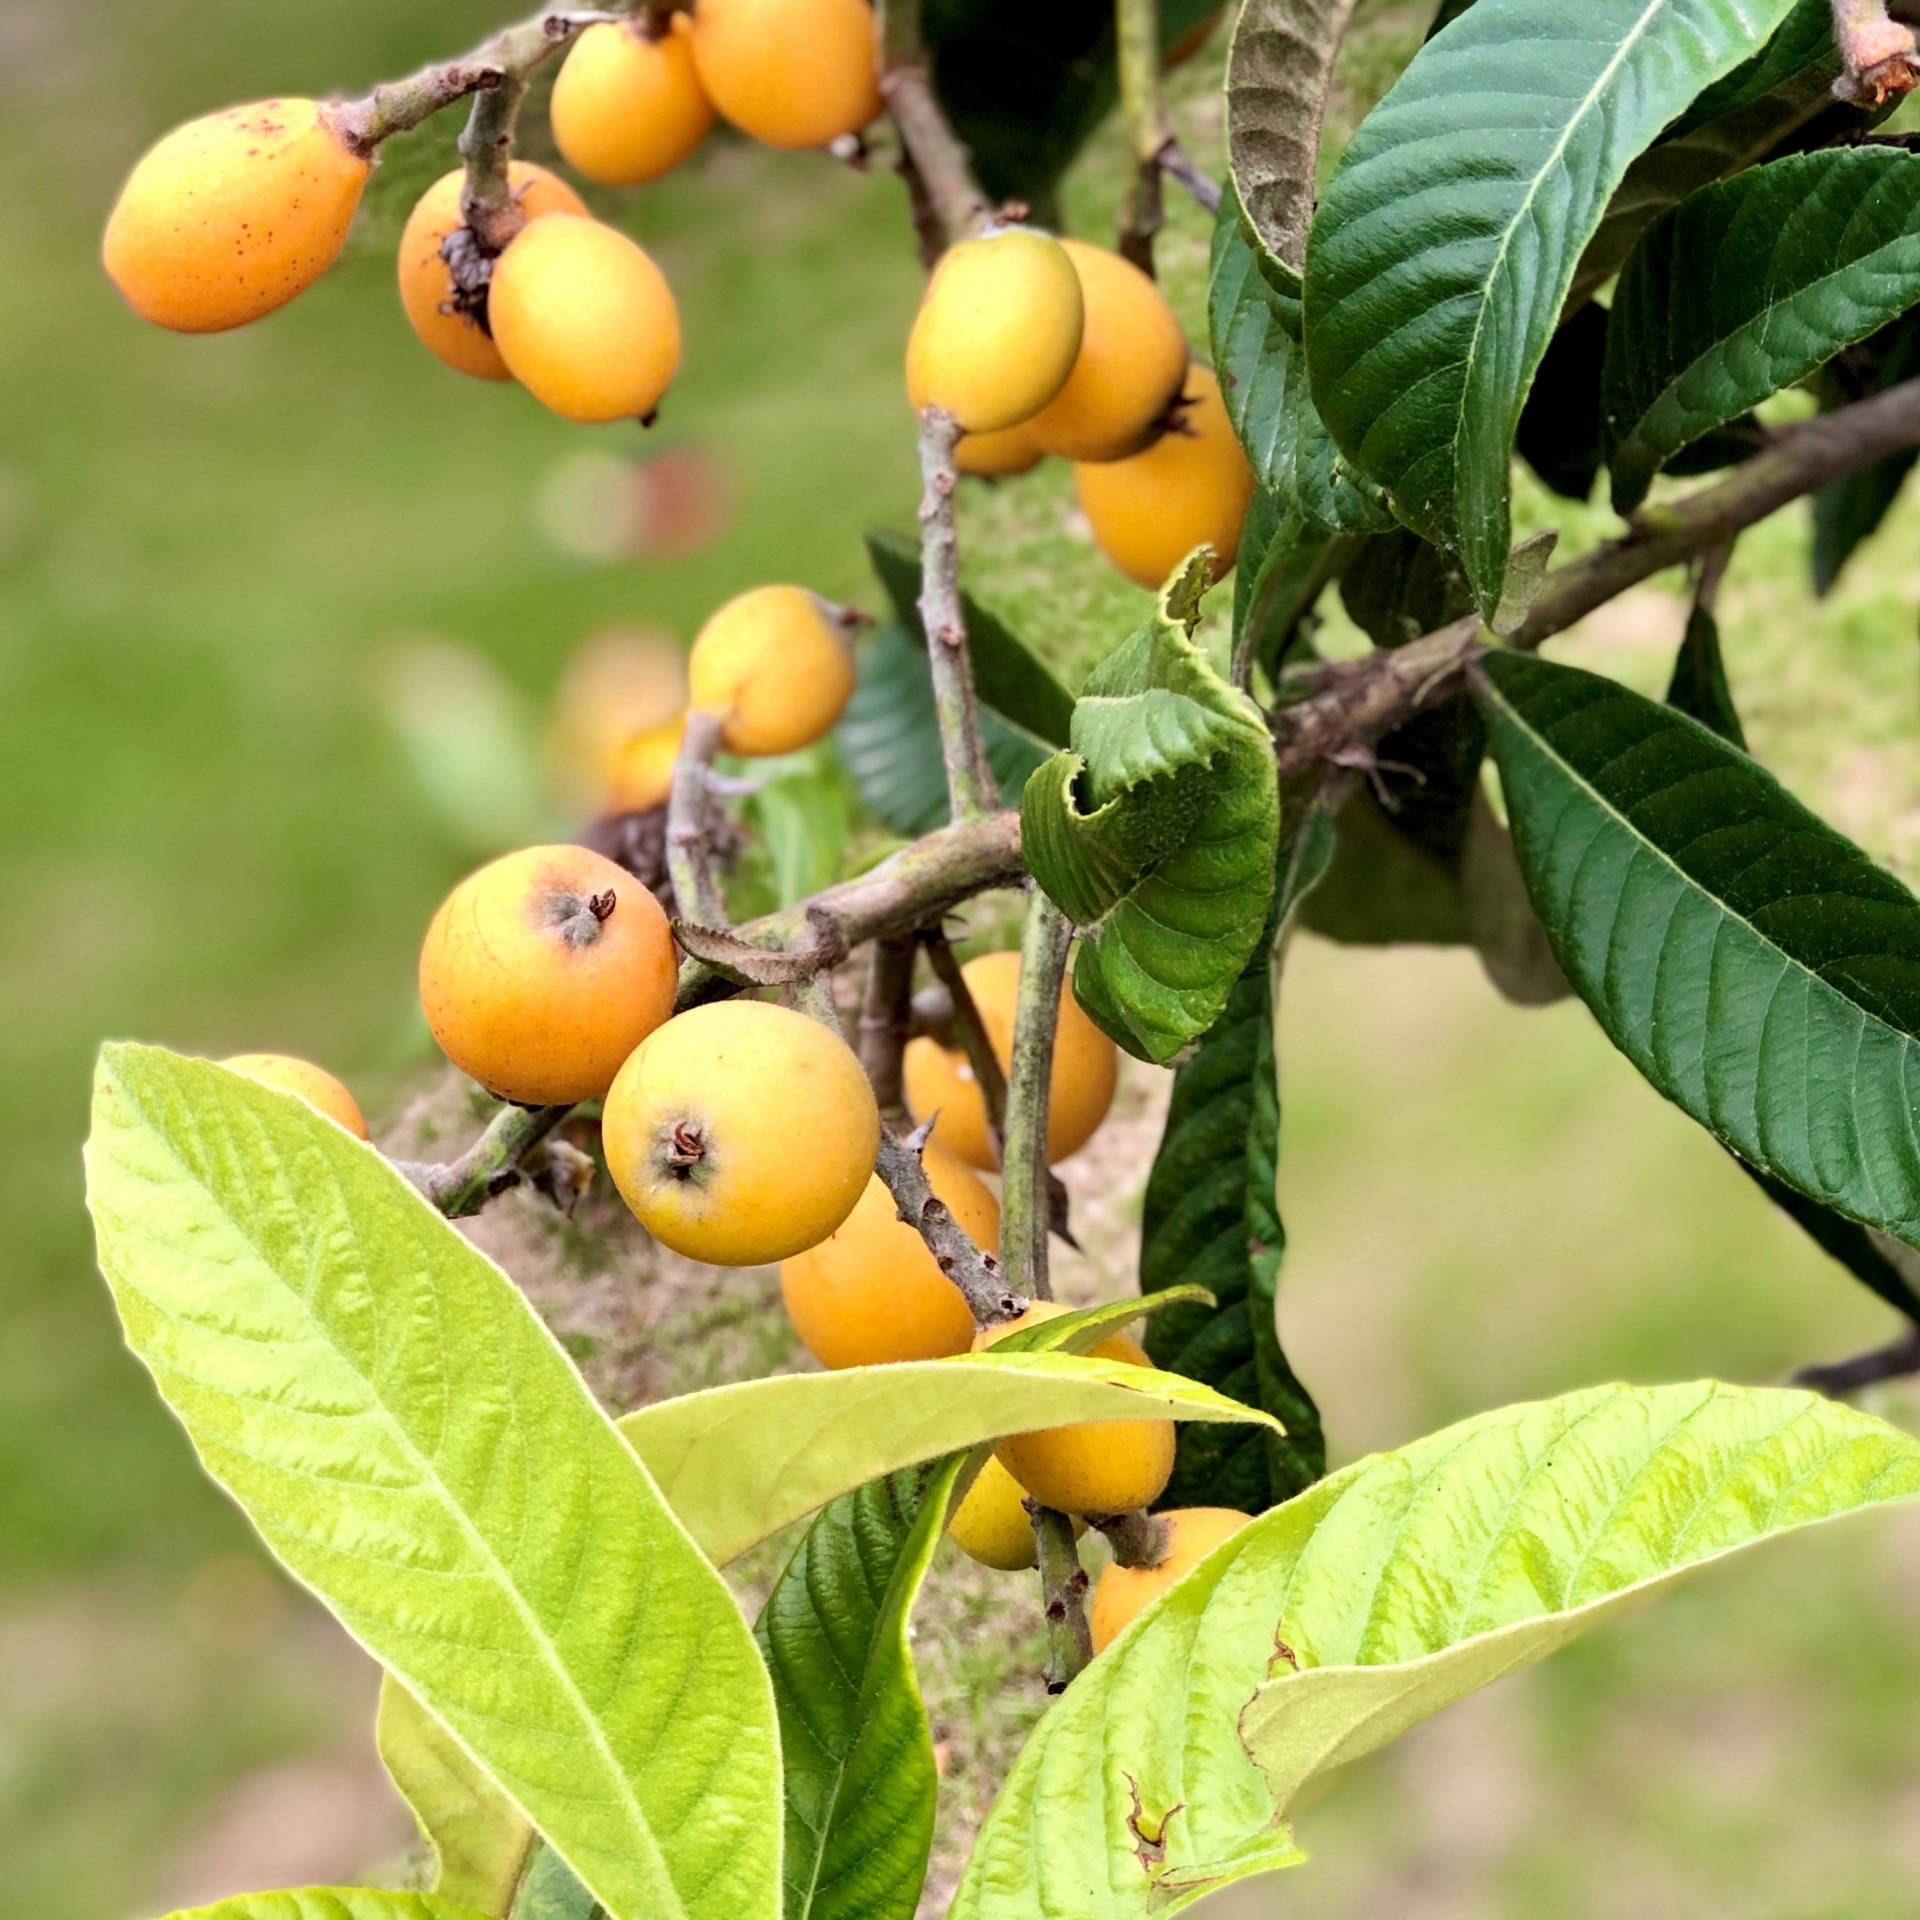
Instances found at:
x=1156 y=832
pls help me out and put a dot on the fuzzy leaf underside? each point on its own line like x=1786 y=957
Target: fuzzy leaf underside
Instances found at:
x=412 y=1443
x=1748 y=287
x=1755 y=966
x=1156 y=832
x=1375 y=1598
x=738 y=1463
x=1443 y=252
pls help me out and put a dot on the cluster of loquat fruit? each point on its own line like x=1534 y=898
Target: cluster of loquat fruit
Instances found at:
x=549 y=976
x=1035 y=345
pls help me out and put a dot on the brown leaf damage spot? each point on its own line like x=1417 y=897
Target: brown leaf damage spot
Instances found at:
x=1149 y=1834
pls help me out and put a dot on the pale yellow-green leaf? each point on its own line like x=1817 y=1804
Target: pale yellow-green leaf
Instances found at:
x=329 y=1903
x=738 y=1463
x=479 y=1839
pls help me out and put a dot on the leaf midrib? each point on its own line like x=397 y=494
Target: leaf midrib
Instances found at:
x=1576 y=778
x=430 y=1474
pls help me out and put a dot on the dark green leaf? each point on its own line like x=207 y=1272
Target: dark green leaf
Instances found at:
x=1758 y=968
x=1748 y=287
x=859 y=1768
x=1253 y=312
x=1009 y=677
x=1278 y=72
x=1699 y=685
x=1383 y=889
x=1559 y=435
x=1284 y=565
x=1436 y=273
x=1849 y=510
x=889 y=738
x=1398 y=587
x=1845 y=1240
x=1781 y=95
x=1212 y=1215
x=1156 y=832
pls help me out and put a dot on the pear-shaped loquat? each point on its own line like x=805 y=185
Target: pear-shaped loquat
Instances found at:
x=232 y=215
x=544 y=970
x=793 y=73
x=447 y=325
x=741 y=1133
x=939 y=1079
x=775 y=664
x=315 y=1085
x=584 y=319
x=1122 y=1592
x=1100 y=1466
x=871 y=1292
x=1190 y=488
x=628 y=105
x=998 y=329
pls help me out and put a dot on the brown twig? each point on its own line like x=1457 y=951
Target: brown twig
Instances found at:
x=1063 y=1597
x=690 y=858
x=970 y=1030
x=1137 y=27
x=990 y=1296
x=971 y=788
x=949 y=203
x=461 y=1187
x=1026 y=1197
x=1838 y=1378
x=1177 y=164
x=886 y=1011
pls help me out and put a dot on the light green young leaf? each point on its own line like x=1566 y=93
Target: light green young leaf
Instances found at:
x=861 y=1780
x=1370 y=1601
x=1748 y=287
x=413 y=1444
x=1757 y=967
x=1157 y=831
x=479 y=1839
x=1442 y=254
x=740 y=1462
x=329 y=1903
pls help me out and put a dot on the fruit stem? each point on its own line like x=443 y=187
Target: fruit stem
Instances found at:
x=1026 y=1192
x=690 y=859
x=490 y=1166
x=1137 y=1539
x=971 y=787
x=398 y=106
x=1063 y=1597
x=886 y=1011
x=938 y=175
x=977 y=1274
x=1137 y=23
x=971 y=1031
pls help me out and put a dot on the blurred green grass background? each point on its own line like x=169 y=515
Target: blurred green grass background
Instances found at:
x=212 y=552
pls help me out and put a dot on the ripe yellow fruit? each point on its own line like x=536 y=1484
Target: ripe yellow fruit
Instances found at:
x=1100 y=1466
x=427 y=292
x=997 y=332
x=232 y=215
x=1086 y=1069
x=992 y=1525
x=1190 y=487
x=794 y=73
x=998 y=456
x=741 y=1133
x=544 y=970
x=315 y=1085
x=643 y=770
x=584 y=320
x=1132 y=362
x=871 y=1292
x=775 y=664
x=628 y=106
x=623 y=681
x=1122 y=1592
